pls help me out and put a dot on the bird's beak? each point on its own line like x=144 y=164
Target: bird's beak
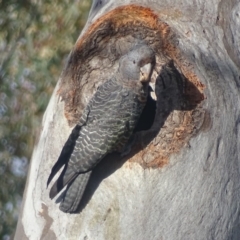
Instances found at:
x=145 y=73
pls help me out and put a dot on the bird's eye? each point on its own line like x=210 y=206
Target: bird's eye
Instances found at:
x=134 y=62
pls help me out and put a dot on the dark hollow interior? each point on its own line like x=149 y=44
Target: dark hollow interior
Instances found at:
x=148 y=115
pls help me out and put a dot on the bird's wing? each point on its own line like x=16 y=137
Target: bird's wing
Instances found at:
x=89 y=142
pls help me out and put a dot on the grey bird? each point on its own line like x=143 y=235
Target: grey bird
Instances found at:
x=106 y=125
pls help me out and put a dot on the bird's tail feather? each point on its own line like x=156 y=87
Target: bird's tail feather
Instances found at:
x=66 y=176
x=74 y=193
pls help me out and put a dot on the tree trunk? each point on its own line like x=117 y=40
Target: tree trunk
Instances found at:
x=181 y=178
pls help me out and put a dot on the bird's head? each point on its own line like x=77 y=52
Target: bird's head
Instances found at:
x=138 y=64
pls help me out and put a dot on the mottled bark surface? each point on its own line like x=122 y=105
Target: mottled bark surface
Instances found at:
x=181 y=179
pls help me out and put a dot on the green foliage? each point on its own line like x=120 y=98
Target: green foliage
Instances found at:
x=35 y=39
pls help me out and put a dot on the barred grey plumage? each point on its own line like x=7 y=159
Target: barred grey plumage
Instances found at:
x=105 y=126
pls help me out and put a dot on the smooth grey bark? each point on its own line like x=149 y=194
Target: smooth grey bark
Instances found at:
x=184 y=182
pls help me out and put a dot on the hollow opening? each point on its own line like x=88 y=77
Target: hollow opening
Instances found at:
x=167 y=124
x=148 y=114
